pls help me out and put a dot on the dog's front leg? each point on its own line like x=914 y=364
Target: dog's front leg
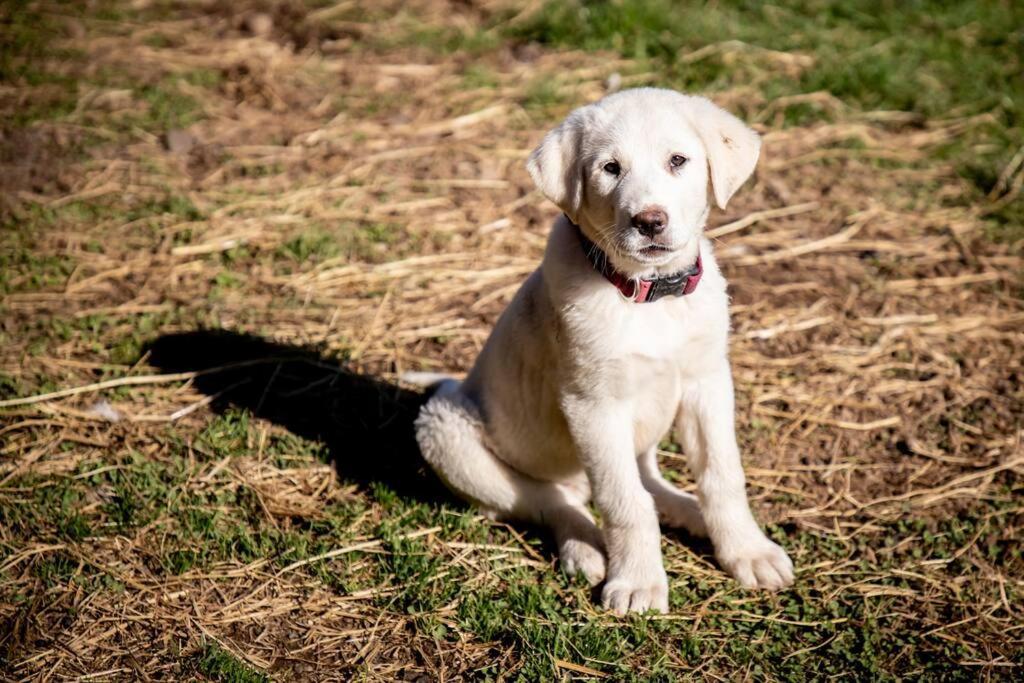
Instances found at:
x=603 y=434
x=707 y=426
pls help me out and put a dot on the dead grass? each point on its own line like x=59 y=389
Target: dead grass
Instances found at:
x=372 y=205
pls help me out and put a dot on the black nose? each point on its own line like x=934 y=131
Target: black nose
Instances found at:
x=651 y=221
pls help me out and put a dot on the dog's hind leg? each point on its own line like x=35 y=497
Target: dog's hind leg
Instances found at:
x=451 y=438
x=676 y=509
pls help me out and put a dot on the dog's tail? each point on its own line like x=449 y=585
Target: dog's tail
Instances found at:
x=429 y=381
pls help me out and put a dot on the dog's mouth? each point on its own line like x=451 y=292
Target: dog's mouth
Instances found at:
x=654 y=252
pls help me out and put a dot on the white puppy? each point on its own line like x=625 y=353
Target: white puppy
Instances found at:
x=621 y=333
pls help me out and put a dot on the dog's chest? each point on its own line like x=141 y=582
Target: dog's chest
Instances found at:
x=664 y=339
x=658 y=349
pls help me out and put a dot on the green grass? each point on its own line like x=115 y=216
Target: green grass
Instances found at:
x=804 y=635
x=220 y=665
x=367 y=241
x=799 y=634
x=925 y=56
x=167 y=107
x=939 y=59
x=27 y=265
x=25 y=269
x=26 y=58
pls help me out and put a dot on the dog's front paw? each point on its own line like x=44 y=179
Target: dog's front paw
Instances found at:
x=759 y=563
x=636 y=592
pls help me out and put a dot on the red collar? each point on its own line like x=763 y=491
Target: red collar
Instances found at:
x=640 y=290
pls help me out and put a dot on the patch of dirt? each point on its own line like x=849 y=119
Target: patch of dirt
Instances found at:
x=33 y=160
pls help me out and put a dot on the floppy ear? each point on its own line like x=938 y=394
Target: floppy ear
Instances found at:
x=555 y=166
x=731 y=145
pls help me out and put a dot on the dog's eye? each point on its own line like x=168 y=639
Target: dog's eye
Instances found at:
x=613 y=168
x=677 y=160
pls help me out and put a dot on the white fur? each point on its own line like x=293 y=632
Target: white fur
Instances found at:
x=576 y=386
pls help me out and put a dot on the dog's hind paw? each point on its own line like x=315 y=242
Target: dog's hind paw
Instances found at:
x=576 y=556
x=681 y=511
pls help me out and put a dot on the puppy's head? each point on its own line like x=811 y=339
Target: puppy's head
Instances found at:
x=632 y=171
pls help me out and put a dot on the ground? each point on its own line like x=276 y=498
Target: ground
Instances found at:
x=227 y=228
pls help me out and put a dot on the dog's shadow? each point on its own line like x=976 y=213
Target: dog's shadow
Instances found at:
x=365 y=423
